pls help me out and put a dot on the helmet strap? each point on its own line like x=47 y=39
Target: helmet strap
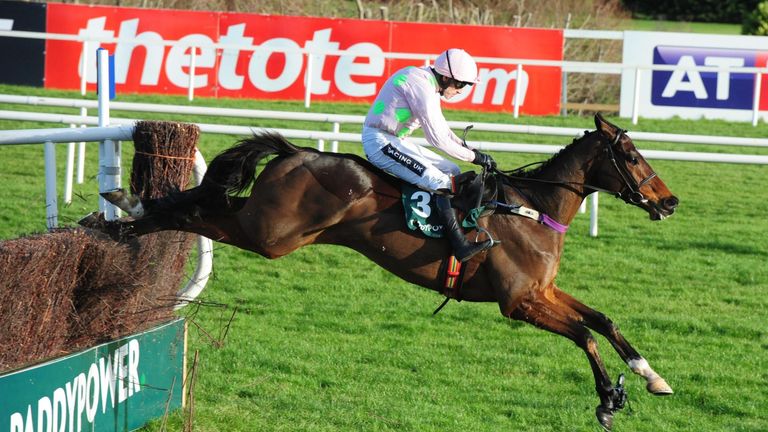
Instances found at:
x=442 y=81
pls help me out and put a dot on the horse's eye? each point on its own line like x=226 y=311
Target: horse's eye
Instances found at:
x=632 y=159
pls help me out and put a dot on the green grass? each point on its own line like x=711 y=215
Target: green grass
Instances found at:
x=682 y=26
x=323 y=340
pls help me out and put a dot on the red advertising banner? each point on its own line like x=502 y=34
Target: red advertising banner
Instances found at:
x=761 y=60
x=281 y=75
x=141 y=66
x=148 y=62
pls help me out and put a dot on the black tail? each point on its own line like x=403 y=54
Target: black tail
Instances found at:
x=233 y=171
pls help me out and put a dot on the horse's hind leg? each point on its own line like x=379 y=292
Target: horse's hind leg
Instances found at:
x=126 y=229
x=188 y=211
x=556 y=317
x=604 y=326
x=130 y=204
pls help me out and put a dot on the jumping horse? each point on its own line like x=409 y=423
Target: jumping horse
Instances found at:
x=303 y=196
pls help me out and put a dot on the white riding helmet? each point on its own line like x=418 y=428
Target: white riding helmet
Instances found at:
x=457 y=64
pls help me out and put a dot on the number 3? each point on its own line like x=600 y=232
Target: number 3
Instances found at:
x=422 y=203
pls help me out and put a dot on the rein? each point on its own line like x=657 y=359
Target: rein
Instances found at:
x=635 y=196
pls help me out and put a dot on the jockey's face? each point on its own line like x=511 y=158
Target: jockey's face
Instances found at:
x=450 y=92
x=455 y=87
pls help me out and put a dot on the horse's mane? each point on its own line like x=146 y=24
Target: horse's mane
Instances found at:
x=545 y=165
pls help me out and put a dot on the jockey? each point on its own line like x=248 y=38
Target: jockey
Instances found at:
x=410 y=99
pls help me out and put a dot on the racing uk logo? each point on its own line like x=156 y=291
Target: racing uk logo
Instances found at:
x=692 y=88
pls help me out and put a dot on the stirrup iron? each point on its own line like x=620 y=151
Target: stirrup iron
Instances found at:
x=481 y=230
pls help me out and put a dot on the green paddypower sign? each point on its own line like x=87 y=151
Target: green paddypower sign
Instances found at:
x=117 y=386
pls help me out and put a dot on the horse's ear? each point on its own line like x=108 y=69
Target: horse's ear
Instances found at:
x=607 y=128
x=598 y=120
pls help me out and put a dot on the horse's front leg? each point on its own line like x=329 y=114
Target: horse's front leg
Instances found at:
x=598 y=322
x=541 y=311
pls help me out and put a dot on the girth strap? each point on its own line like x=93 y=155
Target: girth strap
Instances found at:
x=502 y=206
x=521 y=210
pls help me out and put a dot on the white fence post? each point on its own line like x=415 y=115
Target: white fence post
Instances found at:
x=636 y=98
x=563 y=93
x=199 y=279
x=756 y=99
x=51 y=202
x=84 y=69
x=83 y=113
x=593 y=216
x=109 y=171
x=81 y=154
x=308 y=81
x=517 y=89
x=335 y=143
x=70 y=170
x=192 y=61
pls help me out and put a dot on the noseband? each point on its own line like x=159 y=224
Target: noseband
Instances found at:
x=631 y=190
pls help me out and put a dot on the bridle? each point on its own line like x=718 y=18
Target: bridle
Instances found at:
x=631 y=190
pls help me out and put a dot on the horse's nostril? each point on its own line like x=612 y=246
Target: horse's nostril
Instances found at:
x=671 y=202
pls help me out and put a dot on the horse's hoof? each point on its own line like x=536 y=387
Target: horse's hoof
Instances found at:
x=605 y=417
x=659 y=387
x=113 y=196
x=128 y=203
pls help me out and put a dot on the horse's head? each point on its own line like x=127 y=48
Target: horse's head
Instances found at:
x=624 y=172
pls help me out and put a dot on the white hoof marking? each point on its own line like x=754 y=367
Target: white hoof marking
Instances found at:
x=655 y=383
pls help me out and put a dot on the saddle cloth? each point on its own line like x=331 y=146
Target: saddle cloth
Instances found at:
x=421 y=213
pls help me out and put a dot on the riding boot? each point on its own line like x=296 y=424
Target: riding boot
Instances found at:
x=462 y=249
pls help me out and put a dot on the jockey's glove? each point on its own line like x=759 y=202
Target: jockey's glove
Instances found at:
x=485 y=160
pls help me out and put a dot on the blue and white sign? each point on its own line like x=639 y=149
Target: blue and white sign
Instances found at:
x=694 y=76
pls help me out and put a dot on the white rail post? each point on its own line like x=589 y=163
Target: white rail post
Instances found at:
x=197 y=281
x=308 y=81
x=84 y=69
x=81 y=152
x=517 y=89
x=335 y=143
x=593 y=216
x=192 y=61
x=321 y=144
x=70 y=170
x=756 y=98
x=109 y=171
x=83 y=113
x=636 y=98
x=51 y=203
x=563 y=93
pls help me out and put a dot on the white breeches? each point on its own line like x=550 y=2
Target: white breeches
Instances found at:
x=411 y=162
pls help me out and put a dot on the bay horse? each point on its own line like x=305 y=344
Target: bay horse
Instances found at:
x=303 y=196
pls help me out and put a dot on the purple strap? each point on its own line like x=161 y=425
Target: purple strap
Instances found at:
x=548 y=221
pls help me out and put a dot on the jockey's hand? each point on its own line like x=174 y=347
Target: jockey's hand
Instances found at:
x=485 y=160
